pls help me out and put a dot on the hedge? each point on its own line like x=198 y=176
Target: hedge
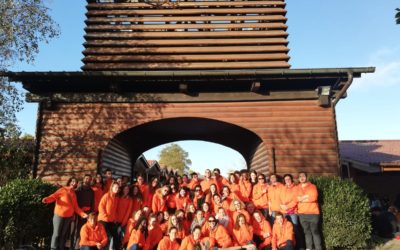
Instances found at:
x=24 y=219
x=346 y=219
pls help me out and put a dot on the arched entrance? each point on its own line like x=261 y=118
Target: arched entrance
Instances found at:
x=123 y=150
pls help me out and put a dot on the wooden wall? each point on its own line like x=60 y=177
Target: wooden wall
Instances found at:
x=302 y=133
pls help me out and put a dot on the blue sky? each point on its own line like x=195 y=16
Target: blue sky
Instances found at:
x=322 y=34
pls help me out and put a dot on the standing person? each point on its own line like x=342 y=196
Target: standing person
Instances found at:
x=98 y=190
x=140 y=183
x=262 y=231
x=245 y=186
x=194 y=181
x=85 y=198
x=169 y=242
x=160 y=200
x=109 y=179
x=137 y=239
x=242 y=231
x=124 y=210
x=308 y=211
x=282 y=233
x=273 y=197
x=66 y=206
x=199 y=197
x=208 y=180
x=185 y=181
x=219 y=180
x=260 y=195
x=108 y=215
x=150 y=191
x=253 y=177
x=93 y=236
x=234 y=185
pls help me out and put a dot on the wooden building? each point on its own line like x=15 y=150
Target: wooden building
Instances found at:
x=157 y=72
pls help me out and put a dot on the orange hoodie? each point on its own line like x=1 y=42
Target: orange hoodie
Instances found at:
x=167 y=244
x=90 y=236
x=188 y=243
x=260 y=195
x=205 y=185
x=310 y=205
x=241 y=211
x=154 y=236
x=159 y=203
x=193 y=183
x=282 y=233
x=66 y=203
x=245 y=189
x=129 y=228
x=262 y=228
x=273 y=197
x=108 y=208
x=288 y=197
x=124 y=210
x=181 y=202
x=219 y=234
x=137 y=237
x=98 y=193
x=243 y=235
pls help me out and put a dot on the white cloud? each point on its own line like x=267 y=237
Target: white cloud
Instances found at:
x=387 y=74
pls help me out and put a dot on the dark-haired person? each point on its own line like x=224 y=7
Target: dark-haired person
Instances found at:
x=155 y=234
x=195 y=241
x=66 y=206
x=93 y=236
x=169 y=242
x=245 y=186
x=216 y=231
x=138 y=235
x=198 y=197
x=273 y=196
x=150 y=191
x=308 y=211
x=98 y=188
x=262 y=231
x=108 y=179
x=253 y=177
x=219 y=180
x=124 y=210
x=282 y=233
x=108 y=215
x=207 y=181
x=194 y=181
x=260 y=195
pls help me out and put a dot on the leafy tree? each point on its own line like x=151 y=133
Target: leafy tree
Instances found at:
x=174 y=156
x=24 y=24
x=398 y=16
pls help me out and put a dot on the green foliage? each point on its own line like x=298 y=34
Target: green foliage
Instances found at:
x=174 y=156
x=16 y=158
x=346 y=220
x=24 y=219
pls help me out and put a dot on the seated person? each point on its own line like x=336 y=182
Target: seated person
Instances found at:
x=282 y=233
x=93 y=236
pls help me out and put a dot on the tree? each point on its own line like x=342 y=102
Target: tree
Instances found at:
x=24 y=24
x=174 y=156
x=398 y=16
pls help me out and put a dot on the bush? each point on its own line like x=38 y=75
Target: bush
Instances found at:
x=346 y=220
x=24 y=219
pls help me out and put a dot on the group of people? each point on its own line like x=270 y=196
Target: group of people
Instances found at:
x=247 y=210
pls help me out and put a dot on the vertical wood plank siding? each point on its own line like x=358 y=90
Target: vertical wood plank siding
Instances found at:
x=301 y=132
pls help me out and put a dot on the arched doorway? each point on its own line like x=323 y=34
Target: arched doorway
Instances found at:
x=122 y=151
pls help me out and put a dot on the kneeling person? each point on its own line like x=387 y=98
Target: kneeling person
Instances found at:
x=93 y=236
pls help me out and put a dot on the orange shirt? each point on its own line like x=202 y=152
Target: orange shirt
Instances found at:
x=241 y=211
x=108 y=208
x=288 y=197
x=142 y=187
x=245 y=189
x=193 y=183
x=235 y=189
x=167 y=244
x=262 y=228
x=171 y=200
x=154 y=236
x=159 y=202
x=205 y=184
x=282 y=233
x=66 y=203
x=310 y=205
x=90 y=236
x=273 y=197
x=221 y=182
x=148 y=197
x=181 y=202
x=137 y=237
x=124 y=210
x=243 y=235
x=260 y=195
x=98 y=193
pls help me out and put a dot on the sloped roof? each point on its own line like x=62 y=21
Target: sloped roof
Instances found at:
x=383 y=154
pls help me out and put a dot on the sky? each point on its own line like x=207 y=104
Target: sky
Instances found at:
x=322 y=34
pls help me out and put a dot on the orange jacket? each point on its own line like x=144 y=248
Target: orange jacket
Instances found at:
x=273 y=197
x=262 y=228
x=260 y=195
x=243 y=235
x=154 y=236
x=193 y=183
x=288 y=197
x=182 y=202
x=244 y=212
x=137 y=237
x=148 y=197
x=90 y=236
x=282 y=233
x=205 y=185
x=108 y=208
x=310 y=205
x=66 y=203
x=188 y=243
x=219 y=234
x=171 y=200
x=137 y=204
x=98 y=193
x=159 y=202
x=124 y=210
x=107 y=185
x=221 y=182
x=245 y=189
x=167 y=244
x=235 y=189
x=129 y=228
x=143 y=187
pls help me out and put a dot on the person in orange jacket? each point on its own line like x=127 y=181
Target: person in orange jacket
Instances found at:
x=159 y=202
x=124 y=210
x=137 y=197
x=182 y=199
x=138 y=235
x=98 y=190
x=108 y=214
x=242 y=232
x=282 y=233
x=194 y=181
x=308 y=211
x=260 y=195
x=237 y=208
x=155 y=234
x=150 y=192
x=216 y=231
x=245 y=186
x=109 y=179
x=195 y=241
x=262 y=231
x=207 y=181
x=174 y=221
x=234 y=185
x=219 y=180
x=141 y=184
x=93 y=236
x=169 y=242
x=273 y=196
x=64 y=210
x=136 y=215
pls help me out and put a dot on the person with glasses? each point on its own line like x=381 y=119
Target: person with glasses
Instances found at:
x=260 y=195
x=238 y=207
x=217 y=232
x=198 y=197
x=245 y=186
x=160 y=200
